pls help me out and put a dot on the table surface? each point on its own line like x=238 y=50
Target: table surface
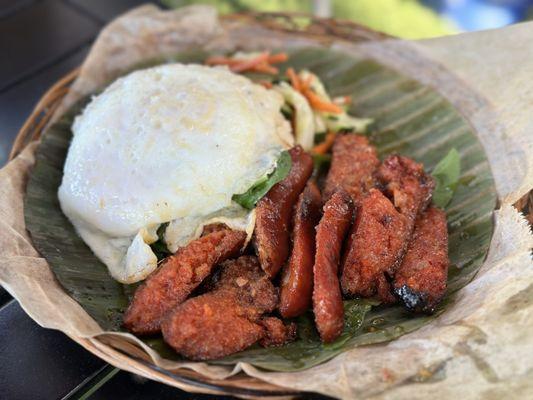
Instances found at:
x=40 y=41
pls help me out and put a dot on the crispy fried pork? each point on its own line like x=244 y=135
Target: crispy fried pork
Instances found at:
x=177 y=277
x=353 y=164
x=408 y=186
x=229 y=318
x=420 y=281
x=277 y=333
x=377 y=240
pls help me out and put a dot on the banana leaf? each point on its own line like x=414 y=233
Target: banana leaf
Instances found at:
x=410 y=118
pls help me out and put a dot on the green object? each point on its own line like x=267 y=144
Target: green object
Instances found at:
x=249 y=198
x=446 y=174
x=410 y=119
x=321 y=163
x=159 y=247
x=90 y=386
x=402 y=18
x=321 y=160
x=345 y=122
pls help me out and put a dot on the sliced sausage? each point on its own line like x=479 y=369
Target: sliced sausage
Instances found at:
x=297 y=279
x=330 y=234
x=274 y=211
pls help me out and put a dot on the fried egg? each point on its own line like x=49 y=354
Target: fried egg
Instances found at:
x=169 y=144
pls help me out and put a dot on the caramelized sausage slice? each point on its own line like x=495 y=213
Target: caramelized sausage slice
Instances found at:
x=327 y=298
x=377 y=240
x=274 y=210
x=227 y=319
x=353 y=164
x=420 y=281
x=177 y=277
x=297 y=280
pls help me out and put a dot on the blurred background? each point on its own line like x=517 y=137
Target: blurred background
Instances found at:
x=42 y=40
x=412 y=19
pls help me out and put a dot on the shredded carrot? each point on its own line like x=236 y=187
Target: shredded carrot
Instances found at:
x=278 y=58
x=320 y=105
x=304 y=87
x=266 y=84
x=323 y=148
x=295 y=80
x=265 y=68
x=246 y=65
x=261 y=63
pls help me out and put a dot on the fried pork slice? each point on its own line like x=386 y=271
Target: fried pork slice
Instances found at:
x=276 y=332
x=226 y=320
x=353 y=164
x=420 y=281
x=376 y=242
x=406 y=183
x=177 y=277
x=274 y=211
x=382 y=230
x=330 y=234
x=297 y=277
x=211 y=326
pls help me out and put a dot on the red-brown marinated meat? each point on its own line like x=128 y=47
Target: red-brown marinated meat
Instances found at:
x=276 y=332
x=377 y=240
x=382 y=231
x=297 y=281
x=177 y=277
x=274 y=211
x=254 y=288
x=407 y=184
x=353 y=164
x=330 y=233
x=210 y=326
x=227 y=319
x=420 y=281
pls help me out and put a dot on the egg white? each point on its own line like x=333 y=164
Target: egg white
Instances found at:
x=171 y=144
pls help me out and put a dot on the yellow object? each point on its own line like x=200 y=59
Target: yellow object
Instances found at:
x=404 y=18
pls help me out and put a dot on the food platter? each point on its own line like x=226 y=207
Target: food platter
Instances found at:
x=410 y=117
